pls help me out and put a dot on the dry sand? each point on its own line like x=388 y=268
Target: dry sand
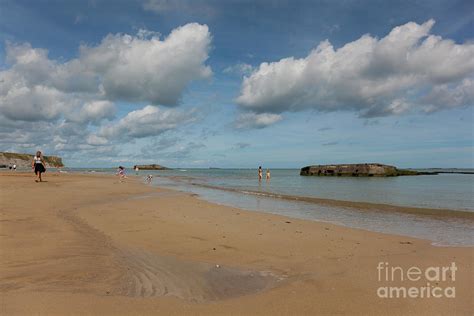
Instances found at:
x=87 y=244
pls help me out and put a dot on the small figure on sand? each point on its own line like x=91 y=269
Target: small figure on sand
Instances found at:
x=268 y=174
x=14 y=167
x=260 y=173
x=149 y=178
x=121 y=173
x=38 y=166
x=136 y=169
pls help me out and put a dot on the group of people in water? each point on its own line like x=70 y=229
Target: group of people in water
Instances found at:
x=260 y=174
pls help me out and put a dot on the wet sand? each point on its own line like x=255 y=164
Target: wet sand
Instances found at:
x=87 y=244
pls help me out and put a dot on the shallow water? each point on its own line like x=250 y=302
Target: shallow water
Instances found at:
x=442 y=232
x=442 y=191
x=445 y=191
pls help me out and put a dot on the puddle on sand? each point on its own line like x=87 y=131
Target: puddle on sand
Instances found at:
x=152 y=275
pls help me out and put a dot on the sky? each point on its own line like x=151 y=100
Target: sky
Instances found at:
x=282 y=84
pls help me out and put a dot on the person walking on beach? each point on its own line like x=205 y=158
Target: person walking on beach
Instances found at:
x=38 y=166
x=121 y=173
x=268 y=174
x=260 y=173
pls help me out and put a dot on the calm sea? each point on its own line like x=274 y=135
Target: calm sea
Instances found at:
x=241 y=188
x=445 y=191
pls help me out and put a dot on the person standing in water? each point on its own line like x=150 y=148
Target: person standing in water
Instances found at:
x=268 y=174
x=38 y=166
x=260 y=173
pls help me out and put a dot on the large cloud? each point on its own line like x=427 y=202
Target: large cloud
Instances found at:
x=149 y=121
x=148 y=69
x=53 y=103
x=122 y=67
x=94 y=112
x=35 y=103
x=409 y=68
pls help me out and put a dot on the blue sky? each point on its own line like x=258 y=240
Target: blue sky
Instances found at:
x=239 y=83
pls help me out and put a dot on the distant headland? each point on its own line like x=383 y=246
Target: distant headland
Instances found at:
x=24 y=160
x=150 y=167
x=360 y=170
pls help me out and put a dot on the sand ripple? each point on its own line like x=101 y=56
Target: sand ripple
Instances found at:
x=147 y=274
x=151 y=275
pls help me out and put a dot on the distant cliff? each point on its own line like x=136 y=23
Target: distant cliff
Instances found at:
x=24 y=160
x=150 y=167
x=358 y=170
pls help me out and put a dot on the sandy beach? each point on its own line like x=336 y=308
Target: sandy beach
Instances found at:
x=87 y=244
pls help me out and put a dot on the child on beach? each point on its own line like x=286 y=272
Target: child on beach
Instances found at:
x=38 y=166
x=260 y=173
x=121 y=173
x=268 y=174
x=149 y=178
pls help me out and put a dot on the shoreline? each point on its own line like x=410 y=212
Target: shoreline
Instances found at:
x=434 y=212
x=356 y=209
x=89 y=244
x=355 y=205
x=369 y=206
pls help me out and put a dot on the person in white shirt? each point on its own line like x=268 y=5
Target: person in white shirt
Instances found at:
x=38 y=166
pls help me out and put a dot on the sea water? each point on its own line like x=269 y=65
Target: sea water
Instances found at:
x=443 y=191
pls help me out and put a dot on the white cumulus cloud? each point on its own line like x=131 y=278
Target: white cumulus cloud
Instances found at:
x=93 y=112
x=149 y=69
x=139 y=68
x=148 y=121
x=400 y=72
x=52 y=103
x=37 y=103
